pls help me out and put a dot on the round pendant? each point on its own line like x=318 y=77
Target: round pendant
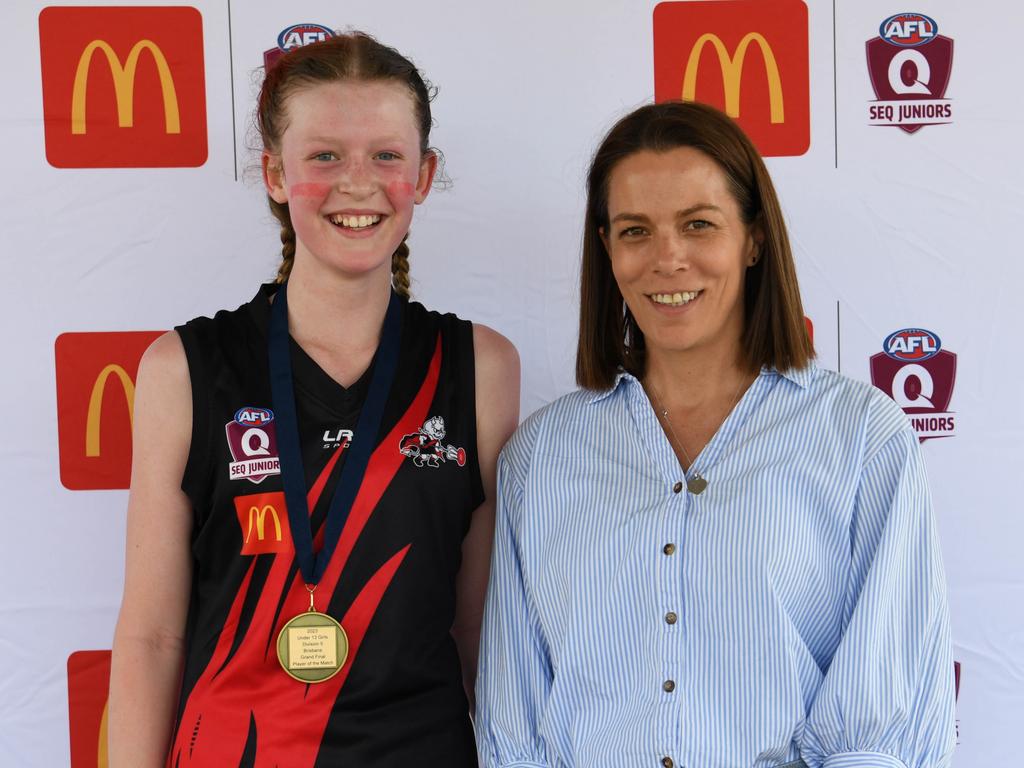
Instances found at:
x=312 y=647
x=696 y=485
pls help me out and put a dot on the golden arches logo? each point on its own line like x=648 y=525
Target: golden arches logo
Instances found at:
x=94 y=415
x=259 y=516
x=102 y=759
x=732 y=72
x=124 y=85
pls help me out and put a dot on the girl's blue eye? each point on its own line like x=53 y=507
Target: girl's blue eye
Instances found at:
x=387 y=156
x=324 y=156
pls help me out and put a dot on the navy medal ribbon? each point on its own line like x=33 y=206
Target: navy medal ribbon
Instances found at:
x=312 y=565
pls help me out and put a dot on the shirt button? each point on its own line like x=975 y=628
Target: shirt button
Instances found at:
x=667 y=762
x=670 y=617
x=669 y=549
x=677 y=487
x=668 y=686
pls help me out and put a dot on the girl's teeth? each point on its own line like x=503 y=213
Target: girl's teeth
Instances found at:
x=355 y=222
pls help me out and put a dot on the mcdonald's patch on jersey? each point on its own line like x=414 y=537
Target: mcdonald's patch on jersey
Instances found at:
x=263 y=520
x=252 y=441
x=425 y=446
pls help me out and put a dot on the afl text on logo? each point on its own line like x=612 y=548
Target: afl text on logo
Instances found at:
x=295 y=36
x=916 y=372
x=910 y=64
x=746 y=57
x=123 y=87
x=88 y=685
x=95 y=405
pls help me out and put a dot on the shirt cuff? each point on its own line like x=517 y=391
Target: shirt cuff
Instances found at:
x=862 y=760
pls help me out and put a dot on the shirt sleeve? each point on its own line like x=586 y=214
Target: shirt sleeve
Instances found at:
x=887 y=698
x=514 y=674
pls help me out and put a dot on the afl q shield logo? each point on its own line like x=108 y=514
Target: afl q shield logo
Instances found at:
x=252 y=441
x=916 y=372
x=910 y=64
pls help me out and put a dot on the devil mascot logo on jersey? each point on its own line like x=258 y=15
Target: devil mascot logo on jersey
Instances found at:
x=425 y=448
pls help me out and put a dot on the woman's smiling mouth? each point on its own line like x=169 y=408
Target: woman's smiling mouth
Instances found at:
x=678 y=299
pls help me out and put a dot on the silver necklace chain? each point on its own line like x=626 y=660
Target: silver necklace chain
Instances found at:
x=697 y=483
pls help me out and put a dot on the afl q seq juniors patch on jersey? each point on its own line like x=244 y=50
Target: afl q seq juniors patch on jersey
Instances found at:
x=399 y=697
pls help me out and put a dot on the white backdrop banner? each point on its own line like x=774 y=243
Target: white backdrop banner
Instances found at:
x=134 y=204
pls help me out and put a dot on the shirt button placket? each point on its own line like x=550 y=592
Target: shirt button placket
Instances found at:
x=672 y=594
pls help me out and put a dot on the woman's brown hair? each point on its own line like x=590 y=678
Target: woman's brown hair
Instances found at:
x=352 y=56
x=609 y=339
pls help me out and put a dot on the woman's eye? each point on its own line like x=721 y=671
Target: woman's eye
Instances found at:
x=698 y=224
x=632 y=232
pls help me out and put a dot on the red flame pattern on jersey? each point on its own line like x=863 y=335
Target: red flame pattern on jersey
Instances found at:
x=250 y=689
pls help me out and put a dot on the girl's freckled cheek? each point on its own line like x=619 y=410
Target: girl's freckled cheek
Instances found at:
x=310 y=193
x=400 y=193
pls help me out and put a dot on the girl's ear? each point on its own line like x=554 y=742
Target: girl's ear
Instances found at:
x=273 y=177
x=424 y=182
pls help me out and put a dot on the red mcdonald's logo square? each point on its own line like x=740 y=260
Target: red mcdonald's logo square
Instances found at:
x=88 y=686
x=95 y=401
x=123 y=87
x=746 y=57
x=263 y=518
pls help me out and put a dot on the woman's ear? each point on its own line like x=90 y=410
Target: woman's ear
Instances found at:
x=756 y=244
x=273 y=178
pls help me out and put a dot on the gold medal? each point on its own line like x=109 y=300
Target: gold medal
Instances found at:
x=312 y=647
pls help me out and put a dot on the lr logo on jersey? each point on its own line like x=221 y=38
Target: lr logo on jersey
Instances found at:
x=916 y=372
x=910 y=64
x=425 y=448
x=252 y=441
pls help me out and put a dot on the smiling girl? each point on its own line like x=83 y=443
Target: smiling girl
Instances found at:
x=311 y=507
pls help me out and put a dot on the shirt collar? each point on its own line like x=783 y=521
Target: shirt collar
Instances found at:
x=799 y=376
x=598 y=396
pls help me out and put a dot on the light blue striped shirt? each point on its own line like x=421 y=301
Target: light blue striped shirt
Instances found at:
x=795 y=609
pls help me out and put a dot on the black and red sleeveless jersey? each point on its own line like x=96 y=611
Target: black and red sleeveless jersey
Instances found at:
x=398 y=699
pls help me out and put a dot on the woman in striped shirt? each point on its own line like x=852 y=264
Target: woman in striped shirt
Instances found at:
x=714 y=554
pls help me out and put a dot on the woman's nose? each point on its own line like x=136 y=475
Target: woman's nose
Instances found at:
x=670 y=254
